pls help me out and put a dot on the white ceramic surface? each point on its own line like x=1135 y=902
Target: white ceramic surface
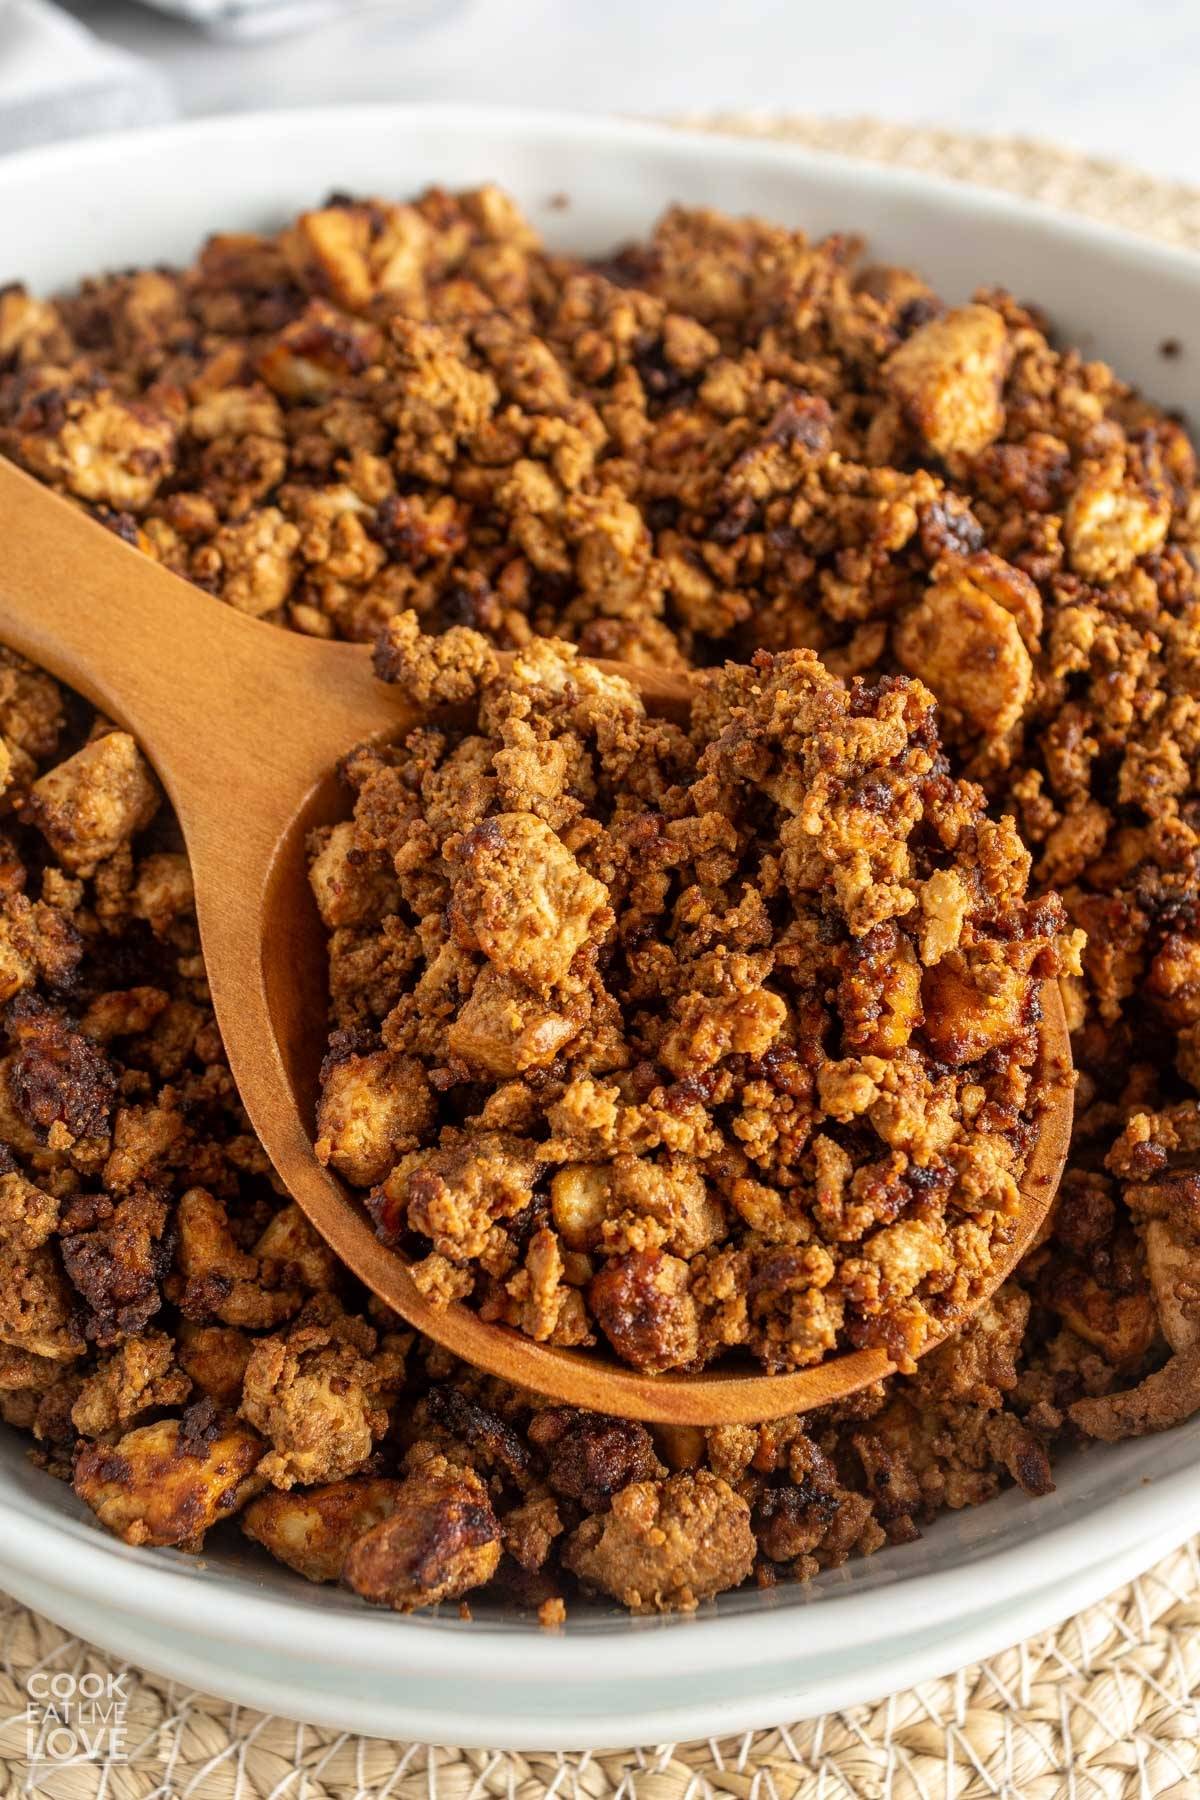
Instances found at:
x=978 y=1579
x=601 y=1711
x=1104 y=76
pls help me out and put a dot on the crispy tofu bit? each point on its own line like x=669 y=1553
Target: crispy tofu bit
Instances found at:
x=31 y=707
x=433 y=671
x=455 y=1193
x=28 y=1217
x=214 y=1359
x=666 y=1545
x=312 y=1529
x=355 y=251
x=966 y=645
x=521 y=898
x=316 y=354
x=163 y=892
x=103 y=449
x=138 y=1377
x=1122 y=1327
x=36 y=940
x=37 y=1306
x=373 y=1110
x=579 y=1198
x=945 y=903
x=236 y=412
x=1112 y=518
x=95 y=802
x=643 y=1305
x=291 y=1251
x=590 y=1457
x=969 y=1012
x=217 y=1279
x=503 y=1028
x=352 y=886
x=440 y=1540
x=949 y=375
x=170 y=1482
x=711 y=1027
x=252 y=561
x=315 y=1393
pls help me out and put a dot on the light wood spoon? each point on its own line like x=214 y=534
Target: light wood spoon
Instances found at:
x=244 y=724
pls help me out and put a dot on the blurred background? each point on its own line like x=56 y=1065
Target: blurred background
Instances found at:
x=1103 y=76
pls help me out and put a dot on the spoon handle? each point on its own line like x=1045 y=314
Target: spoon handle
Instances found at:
x=235 y=714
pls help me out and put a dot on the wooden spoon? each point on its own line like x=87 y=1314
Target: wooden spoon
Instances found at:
x=245 y=723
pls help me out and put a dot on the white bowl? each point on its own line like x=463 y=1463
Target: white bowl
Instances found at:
x=977 y=1580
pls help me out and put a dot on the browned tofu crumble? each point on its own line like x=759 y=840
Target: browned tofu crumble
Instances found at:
x=691 y=1041
x=725 y=439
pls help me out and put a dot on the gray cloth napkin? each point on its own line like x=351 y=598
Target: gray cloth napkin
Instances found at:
x=247 y=19
x=58 y=81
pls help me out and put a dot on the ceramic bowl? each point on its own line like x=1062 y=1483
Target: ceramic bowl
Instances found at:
x=233 y=1623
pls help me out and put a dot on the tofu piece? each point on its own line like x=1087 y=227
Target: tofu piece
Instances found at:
x=1112 y=518
x=351 y=886
x=373 y=1110
x=666 y=1544
x=966 y=1017
x=254 y=561
x=948 y=377
x=88 y=807
x=965 y=645
x=313 y=1529
x=316 y=1393
x=105 y=450
x=505 y=1029
x=169 y=1482
x=521 y=898
x=441 y=1539
x=579 y=1196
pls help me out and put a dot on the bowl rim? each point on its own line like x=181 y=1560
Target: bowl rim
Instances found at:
x=148 y=1582
x=159 y=1588
x=798 y=1689
x=532 y=123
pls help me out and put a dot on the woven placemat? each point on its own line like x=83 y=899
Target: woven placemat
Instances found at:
x=1104 y=1707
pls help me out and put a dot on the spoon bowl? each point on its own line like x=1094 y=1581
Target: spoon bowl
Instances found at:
x=245 y=724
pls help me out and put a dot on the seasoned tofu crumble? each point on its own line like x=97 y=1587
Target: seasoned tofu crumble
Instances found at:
x=724 y=448
x=709 y=1040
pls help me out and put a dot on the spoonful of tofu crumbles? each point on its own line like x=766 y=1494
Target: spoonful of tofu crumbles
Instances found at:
x=683 y=1047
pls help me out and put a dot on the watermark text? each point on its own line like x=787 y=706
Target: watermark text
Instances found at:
x=72 y=1718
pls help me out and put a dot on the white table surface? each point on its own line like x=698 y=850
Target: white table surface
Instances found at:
x=1120 y=78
